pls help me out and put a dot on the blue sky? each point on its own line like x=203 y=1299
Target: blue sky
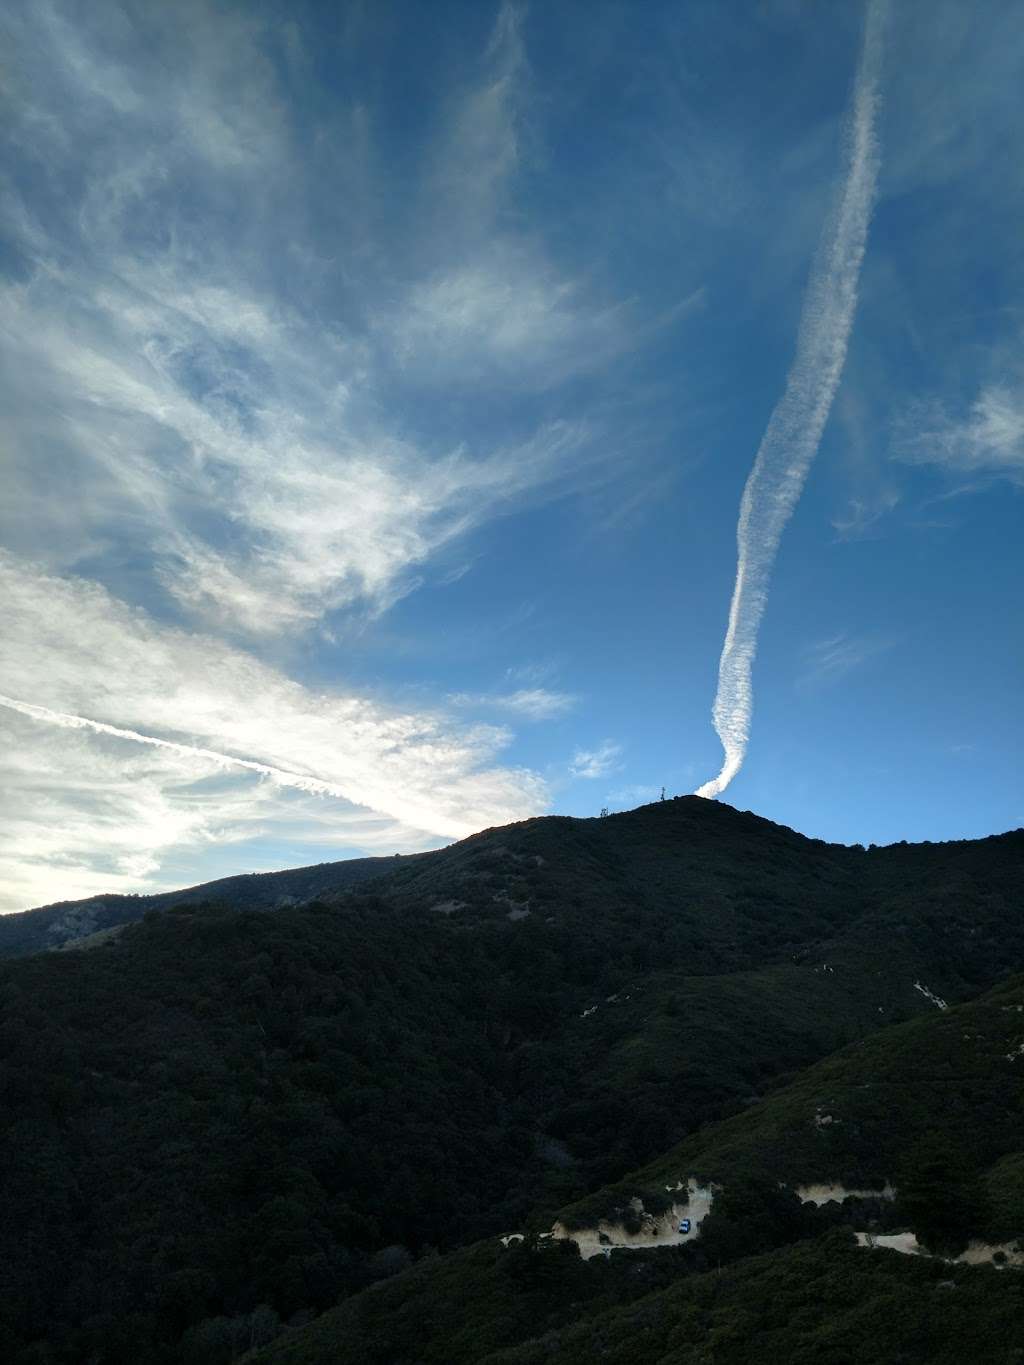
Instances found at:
x=381 y=383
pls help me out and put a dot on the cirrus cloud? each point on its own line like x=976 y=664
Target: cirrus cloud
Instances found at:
x=986 y=438
x=599 y=762
x=74 y=658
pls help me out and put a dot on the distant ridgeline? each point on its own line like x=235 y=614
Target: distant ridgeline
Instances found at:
x=218 y=1122
x=69 y=923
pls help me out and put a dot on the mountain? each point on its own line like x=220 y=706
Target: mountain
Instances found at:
x=816 y=1299
x=223 y=1119
x=71 y=923
x=935 y=1104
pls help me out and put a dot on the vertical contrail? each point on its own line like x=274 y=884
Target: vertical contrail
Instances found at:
x=794 y=429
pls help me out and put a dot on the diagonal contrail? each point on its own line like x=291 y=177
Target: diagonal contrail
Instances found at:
x=280 y=776
x=794 y=429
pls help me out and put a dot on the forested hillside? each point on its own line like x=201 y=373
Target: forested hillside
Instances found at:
x=820 y=1298
x=935 y=1105
x=224 y=1119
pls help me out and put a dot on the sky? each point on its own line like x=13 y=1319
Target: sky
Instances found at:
x=381 y=382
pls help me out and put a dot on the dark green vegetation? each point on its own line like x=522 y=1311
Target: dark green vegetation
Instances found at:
x=937 y=1103
x=226 y=1119
x=820 y=1299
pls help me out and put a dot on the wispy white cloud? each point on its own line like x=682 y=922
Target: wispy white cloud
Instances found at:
x=307 y=504
x=508 y=317
x=491 y=315
x=986 y=439
x=70 y=646
x=795 y=427
x=217 y=416
x=599 y=762
x=538 y=703
x=488 y=302
x=860 y=519
x=85 y=814
x=826 y=661
x=532 y=703
x=282 y=777
x=75 y=659
x=480 y=146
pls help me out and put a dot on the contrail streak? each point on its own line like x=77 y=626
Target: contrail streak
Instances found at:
x=280 y=776
x=795 y=427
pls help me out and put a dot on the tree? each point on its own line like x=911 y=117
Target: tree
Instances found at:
x=940 y=1195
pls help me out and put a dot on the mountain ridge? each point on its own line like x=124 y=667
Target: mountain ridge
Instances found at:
x=63 y=922
x=228 y=1116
